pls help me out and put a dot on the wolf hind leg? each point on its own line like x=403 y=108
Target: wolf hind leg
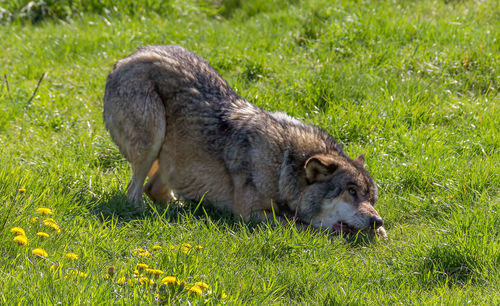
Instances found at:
x=156 y=187
x=136 y=120
x=140 y=169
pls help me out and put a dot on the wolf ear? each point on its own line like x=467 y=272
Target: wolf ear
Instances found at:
x=360 y=160
x=319 y=168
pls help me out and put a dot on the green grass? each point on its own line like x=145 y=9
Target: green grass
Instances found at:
x=414 y=85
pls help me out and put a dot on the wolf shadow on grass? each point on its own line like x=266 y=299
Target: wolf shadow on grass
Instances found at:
x=114 y=205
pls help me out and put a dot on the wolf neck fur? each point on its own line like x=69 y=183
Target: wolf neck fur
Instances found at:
x=298 y=142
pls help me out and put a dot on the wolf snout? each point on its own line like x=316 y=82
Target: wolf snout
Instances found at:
x=376 y=222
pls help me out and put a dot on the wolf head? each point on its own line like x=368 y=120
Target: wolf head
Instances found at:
x=339 y=195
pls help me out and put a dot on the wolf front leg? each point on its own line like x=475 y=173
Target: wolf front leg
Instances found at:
x=248 y=203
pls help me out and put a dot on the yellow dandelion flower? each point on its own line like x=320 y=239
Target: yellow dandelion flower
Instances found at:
x=122 y=280
x=144 y=254
x=21 y=190
x=72 y=256
x=195 y=290
x=18 y=231
x=154 y=271
x=169 y=280
x=136 y=272
x=141 y=266
x=40 y=252
x=139 y=250
x=146 y=281
x=202 y=285
x=186 y=248
x=223 y=295
x=44 y=211
x=34 y=220
x=156 y=247
x=78 y=273
x=54 y=267
x=107 y=276
x=173 y=247
x=55 y=227
x=199 y=247
x=52 y=225
x=43 y=234
x=21 y=239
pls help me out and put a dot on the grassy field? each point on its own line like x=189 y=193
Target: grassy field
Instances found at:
x=414 y=85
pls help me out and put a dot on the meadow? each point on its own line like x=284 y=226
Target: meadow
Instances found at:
x=413 y=85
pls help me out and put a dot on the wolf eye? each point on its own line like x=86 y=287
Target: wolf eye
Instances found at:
x=352 y=191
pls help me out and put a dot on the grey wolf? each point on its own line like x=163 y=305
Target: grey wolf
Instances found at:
x=176 y=119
